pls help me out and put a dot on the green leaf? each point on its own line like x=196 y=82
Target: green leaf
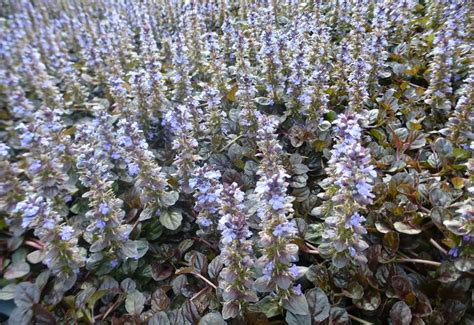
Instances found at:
x=21 y=315
x=324 y=126
x=171 y=219
x=17 y=270
x=354 y=290
x=391 y=242
x=130 y=249
x=95 y=297
x=128 y=285
x=80 y=207
x=135 y=303
x=464 y=263
x=461 y=154
x=293 y=319
x=169 y=198
x=36 y=256
x=146 y=214
x=297 y=304
x=370 y=301
x=26 y=295
x=8 y=292
x=83 y=296
x=338 y=316
x=400 y=314
x=142 y=247
x=266 y=305
x=264 y=101
x=406 y=228
x=318 y=304
x=331 y=116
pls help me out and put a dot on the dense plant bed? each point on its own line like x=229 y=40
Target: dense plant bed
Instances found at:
x=239 y=162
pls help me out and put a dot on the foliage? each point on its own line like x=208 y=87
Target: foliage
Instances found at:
x=237 y=162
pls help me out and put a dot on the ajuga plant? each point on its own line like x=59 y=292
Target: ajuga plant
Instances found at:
x=278 y=252
x=349 y=190
x=236 y=162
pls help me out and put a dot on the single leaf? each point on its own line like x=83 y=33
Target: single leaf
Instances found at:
x=21 y=315
x=130 y=249
x=293 y=319
x=128 y=285
x=8 y=292
x=401 y=285
x=135 y=302
x=26 y=295
x=171 y=219
x=215 y=267
x=83 y=296
x=146 y=214
x=159 y=300
x=391 y=242
x=338 y=316
x=16 y=270
x=230 y=309
x=267 y=306
x=318 y=304
x=160 y=272
x=297 y=304
x=464 y=263
x=354 y=290
x=400 y=314
x=36 y=256
x=370 y=301
x=169 y=198
x=406 y=228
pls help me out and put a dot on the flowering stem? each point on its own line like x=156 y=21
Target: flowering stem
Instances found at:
x=438 y=246
x=34 y=244
x=230 y=143
x=415 y=260
x=312 y=250
x=111 y=308
x=200 y=292
x=360 y=320
x=204 y=279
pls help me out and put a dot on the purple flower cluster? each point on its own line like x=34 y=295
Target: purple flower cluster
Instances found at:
x=352 y=183
x=236 y=279
x=150 y=183
x=275 y=212
x=206 y=187
x=182 y=122
x=445 y=55
x=459 y=126
x=106 y=232
x=350 y=162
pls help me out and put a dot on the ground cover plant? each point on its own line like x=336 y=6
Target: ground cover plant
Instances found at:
x=236 y=162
